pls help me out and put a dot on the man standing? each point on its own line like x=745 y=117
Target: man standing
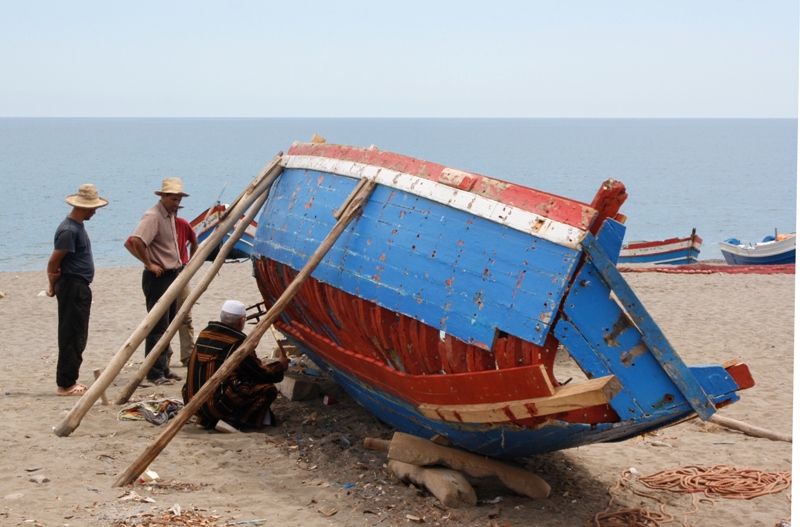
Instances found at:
x=155 y=244
x=186 y=236
x=69 y=272
x=244 y=398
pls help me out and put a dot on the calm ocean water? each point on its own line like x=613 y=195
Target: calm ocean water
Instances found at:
x=726 y=177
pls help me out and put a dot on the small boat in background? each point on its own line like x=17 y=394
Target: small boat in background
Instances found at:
x=207 y=222
x=673 y=251
x=773 y=250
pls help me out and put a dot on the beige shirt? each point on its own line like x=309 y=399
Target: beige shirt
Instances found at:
x=157 y=231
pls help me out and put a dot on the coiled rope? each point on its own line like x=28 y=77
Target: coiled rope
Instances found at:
x=723 y=481
x=720 y=481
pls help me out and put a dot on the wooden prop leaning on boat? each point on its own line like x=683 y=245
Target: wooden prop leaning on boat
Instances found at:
x=249 y=344
x=259 y=185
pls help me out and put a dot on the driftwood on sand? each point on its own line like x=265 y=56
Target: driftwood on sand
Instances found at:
x=421 y=452
x=748 y=429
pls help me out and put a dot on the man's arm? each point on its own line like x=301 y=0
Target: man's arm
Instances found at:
x=192 y=247
x=54 y=270
x=192 y=237
x=137 y=248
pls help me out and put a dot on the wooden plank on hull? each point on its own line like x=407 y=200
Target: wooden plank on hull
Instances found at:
x=594 y=365
x=604 y=329
x=565 y=399
x=658 y=344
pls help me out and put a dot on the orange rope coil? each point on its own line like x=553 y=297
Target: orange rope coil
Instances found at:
x=723 y=481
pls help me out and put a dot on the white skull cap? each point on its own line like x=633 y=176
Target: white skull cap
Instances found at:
x=234 y=307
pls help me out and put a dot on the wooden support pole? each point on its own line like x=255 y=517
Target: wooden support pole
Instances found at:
x=418 y=451
x=103 y=397
x=750 y=430
x=249 y=344
x=175 y=325
x=254 y=190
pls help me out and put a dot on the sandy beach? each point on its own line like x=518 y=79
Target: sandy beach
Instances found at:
x=314 y=459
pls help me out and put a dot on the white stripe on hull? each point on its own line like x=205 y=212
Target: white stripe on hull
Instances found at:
x=512 y=217
x=656 y=249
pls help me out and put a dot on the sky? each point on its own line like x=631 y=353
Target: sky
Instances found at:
x=409 y=58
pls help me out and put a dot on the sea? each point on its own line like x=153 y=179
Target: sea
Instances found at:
x=727 y=178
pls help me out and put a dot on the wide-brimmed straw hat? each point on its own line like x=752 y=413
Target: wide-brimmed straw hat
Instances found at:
x=172 y=185
x=86 y=198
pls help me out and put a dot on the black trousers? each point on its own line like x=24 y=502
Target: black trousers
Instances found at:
x=74 y=303
x=154 y=287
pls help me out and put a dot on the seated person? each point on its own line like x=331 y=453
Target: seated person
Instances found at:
x=244 y=398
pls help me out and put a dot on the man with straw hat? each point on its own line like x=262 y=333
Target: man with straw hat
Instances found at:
x=155 y=244
x=69 y=272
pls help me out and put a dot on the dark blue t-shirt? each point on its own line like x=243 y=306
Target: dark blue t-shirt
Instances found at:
x=72 y=237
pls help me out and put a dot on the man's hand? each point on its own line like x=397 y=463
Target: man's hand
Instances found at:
x=155 y=269
x=137 y=248
x=284 y=362
x=54 y=270
x=52 y=278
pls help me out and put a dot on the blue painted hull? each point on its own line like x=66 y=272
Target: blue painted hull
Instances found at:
x=440 y=315
x=776 y=259
x=421 y=274
x=670 y=258
x=733 y=259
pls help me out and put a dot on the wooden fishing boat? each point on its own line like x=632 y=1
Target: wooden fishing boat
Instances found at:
x=207 y=221
x=442 y=307
x=773 y=250
x=672 y=251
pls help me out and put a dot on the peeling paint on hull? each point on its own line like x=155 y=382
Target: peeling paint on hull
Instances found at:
x=446 y=300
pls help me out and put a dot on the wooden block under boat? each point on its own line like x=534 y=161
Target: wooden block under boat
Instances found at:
x=296 y=388
x=565 y=399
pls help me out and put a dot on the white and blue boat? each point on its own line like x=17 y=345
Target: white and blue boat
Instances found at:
x=772 y=250
x=672 y=251
x=441 y=307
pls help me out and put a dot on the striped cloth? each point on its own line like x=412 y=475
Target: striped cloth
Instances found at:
x=246 y=395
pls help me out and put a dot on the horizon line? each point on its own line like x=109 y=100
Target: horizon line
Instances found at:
x=362 y=117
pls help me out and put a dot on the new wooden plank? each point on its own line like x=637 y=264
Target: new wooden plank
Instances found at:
x=564 y=399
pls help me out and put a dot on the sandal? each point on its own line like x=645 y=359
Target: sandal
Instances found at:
x=161 y=381
x=172 y=375
x=77 y=389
